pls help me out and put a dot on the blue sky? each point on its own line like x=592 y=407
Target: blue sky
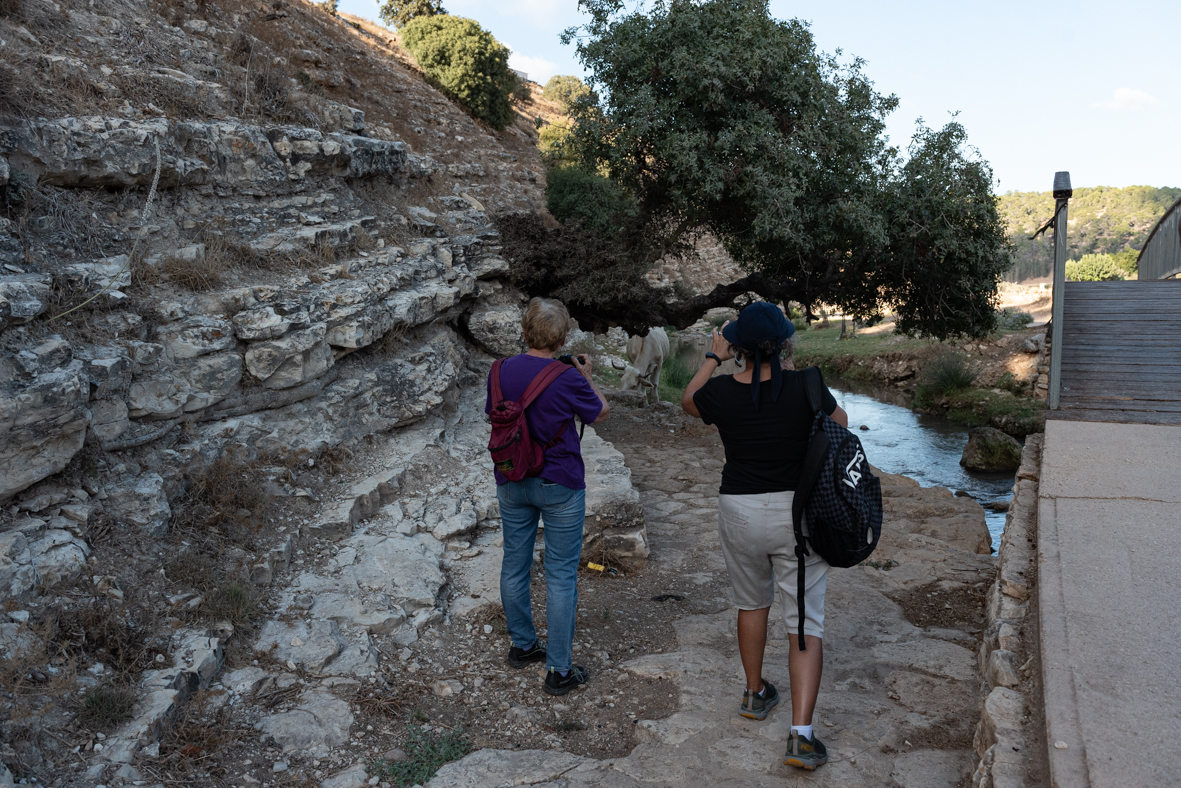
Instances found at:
x=1089 y=87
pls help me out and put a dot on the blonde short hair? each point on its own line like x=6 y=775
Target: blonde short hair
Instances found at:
x=545 y=323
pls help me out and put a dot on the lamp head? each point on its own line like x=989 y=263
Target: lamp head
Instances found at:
x=1062 y=190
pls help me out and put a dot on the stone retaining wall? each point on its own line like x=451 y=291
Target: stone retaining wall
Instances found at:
x=1008 y=729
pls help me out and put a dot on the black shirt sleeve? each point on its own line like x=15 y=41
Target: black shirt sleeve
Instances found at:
x=828 y=402
x=706 y=400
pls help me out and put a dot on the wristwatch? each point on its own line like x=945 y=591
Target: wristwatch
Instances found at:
x=714 y=356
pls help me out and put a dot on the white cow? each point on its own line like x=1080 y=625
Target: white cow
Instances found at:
x=647 y=355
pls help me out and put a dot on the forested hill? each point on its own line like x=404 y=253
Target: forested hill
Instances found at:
x=1103 y=220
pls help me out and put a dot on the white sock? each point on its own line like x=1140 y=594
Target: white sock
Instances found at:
x=803 y=730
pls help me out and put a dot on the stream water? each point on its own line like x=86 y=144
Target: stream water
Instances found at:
x=900 y=440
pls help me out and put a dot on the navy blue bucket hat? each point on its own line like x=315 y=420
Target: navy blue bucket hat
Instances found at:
x=759 y=322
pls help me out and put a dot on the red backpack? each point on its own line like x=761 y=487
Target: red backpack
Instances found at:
x=514 y=452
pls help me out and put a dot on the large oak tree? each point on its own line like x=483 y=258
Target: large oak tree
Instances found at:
x=712 y=116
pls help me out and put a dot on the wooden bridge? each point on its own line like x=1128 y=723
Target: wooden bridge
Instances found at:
x=1108 y=535
x=1121 y=352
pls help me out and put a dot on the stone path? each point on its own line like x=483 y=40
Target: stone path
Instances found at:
x=899 y=702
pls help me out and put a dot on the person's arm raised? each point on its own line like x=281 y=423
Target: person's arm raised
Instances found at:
x=582 y=363
x=721 y=349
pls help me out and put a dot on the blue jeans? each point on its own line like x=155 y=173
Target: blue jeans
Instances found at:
x=563 y=509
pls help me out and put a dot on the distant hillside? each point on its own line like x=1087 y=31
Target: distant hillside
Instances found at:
x=1102 y=220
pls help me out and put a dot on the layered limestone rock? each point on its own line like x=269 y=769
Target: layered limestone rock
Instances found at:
x=98 y=152
x=43 y=416
x=268 y=356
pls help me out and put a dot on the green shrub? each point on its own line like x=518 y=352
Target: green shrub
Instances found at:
x=466 y=62
x=948 y=372
x=328 y=6
x=1129 y=262
x=425 y=754
x=596 y=202
x=564 y=90
x=398 y=13
x=1012 y=319
x=1094 y=268
x=552 y=139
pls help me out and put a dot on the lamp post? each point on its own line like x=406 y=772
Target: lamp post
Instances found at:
x=1062 y=194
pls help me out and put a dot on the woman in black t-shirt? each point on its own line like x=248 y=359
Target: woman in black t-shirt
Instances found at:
x=764 y=422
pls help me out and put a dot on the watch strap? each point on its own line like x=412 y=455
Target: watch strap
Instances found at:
x=714 y=356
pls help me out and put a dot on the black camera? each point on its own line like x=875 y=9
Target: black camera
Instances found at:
x=567 y=358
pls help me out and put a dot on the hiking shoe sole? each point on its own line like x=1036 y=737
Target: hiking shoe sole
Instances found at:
x=804 y=754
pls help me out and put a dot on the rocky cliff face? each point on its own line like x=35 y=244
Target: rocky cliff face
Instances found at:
x=294 y=285
x=245 y=260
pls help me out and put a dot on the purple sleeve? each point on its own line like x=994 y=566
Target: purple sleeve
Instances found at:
x=488 y=396
x=583 y=398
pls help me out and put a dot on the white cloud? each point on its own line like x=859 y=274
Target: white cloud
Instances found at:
x=539 y=69
x=1127 y=98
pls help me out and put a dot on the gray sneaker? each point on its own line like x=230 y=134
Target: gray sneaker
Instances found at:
x=754 y=706
x=805 y=753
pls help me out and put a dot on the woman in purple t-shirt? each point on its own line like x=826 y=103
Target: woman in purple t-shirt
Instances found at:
x=557 y=494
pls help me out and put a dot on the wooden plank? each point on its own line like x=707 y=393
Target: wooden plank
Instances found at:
x=1156 y=334
x=1122 y=396
x=1130 y=366
x=1161 y=348
x=1114 y=416
x=1145 y=379
x=1094 y=403
x=1157 y=378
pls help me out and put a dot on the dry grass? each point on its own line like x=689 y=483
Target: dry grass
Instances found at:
x=201 y=731
x=192 y=273
x=105 y=707
x=101 y=631
x=336 y=460
x=232 y=601
x=224 y=502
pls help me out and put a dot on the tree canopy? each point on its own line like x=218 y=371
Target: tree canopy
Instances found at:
x=398 y=13
x=715 y=117
x=466 y=62
x=1094 y=268
x=565 y=90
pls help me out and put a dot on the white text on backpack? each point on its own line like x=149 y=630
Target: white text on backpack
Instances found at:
x=854 y=475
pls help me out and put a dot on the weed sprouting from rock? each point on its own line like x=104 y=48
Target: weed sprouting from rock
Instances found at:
x=233 y=602
x=225 y=500
x=426 y=752
x=105 y=707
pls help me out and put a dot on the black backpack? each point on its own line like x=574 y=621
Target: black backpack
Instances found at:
x=838 y=493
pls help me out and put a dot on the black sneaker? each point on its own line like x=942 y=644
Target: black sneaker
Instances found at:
x=557 y=684
x=520 y=657
x=804 y=753
x=755 y=706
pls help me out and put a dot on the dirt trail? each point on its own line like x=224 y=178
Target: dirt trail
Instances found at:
x=899 y=700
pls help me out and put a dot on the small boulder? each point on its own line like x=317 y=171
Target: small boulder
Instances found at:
x=989 y=449
x=498 y=329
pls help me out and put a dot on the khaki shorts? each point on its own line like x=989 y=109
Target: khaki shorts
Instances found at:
x=759 y=545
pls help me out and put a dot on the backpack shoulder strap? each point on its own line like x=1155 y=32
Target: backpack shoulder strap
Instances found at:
x=541 y=382
x=813 y=462
x=497 y=396
x=814 y=387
